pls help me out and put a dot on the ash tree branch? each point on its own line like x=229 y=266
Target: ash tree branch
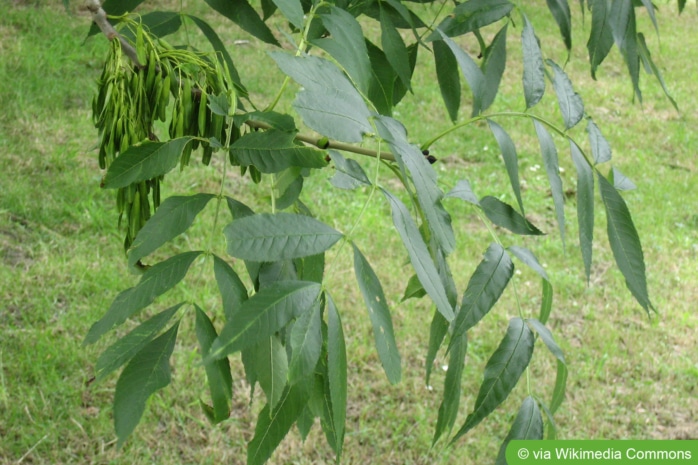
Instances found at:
x=99 y=16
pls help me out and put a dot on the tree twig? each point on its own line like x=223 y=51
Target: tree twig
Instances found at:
x=324 y=143
x=99 y=16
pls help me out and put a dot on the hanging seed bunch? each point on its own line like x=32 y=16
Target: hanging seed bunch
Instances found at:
x=170 y=85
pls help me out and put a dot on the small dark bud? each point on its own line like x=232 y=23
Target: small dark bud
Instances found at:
x=431 y=159
x=425 y=152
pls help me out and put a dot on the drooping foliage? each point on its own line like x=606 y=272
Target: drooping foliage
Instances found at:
x=277 y=312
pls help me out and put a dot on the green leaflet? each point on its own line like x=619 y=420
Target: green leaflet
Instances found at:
x=511 y=161
x=241 y=13
x=463 y=191
x=419 y=256
x=274 y=151
x=561 y=378
x=552 y=168
x=272 y=237
x=147 y=372
x=306 y=344
x=473 y=14
x=336 y=373
x=220 y=381
x=329 y=103
x=437 y=333
x=424 y=179
x=263 y=314
x=384 y=80
x=346 y=45
x=145 y=161
x=271 y=366
x=560 y=387
x=472 y=73
x=651 y=67
x=493 y=68
x=311 y=268
x=503 y=370
x=505 y=216
x=547 y=337
x=531 y=261
x=447 y=77
x=528 y=424
x=622 y=20
x=157 y=280
x=620 y=181
x=126 y=347
x=292 y=10
x=534 y=69
x=448 y=410
x=379 y=313
x=233 y=291
x=561 y=12
x=569 y=101
x=585 y=205
x=273 y=423
x=601 y=35
x=162 y=23
x=172 y=218
x=625 y=243
x=349 y=174
x=414 y=289
x=485 y=287
x=394 y=48
x=600 y=147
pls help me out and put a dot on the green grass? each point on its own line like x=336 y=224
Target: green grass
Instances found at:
x=61 y=264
